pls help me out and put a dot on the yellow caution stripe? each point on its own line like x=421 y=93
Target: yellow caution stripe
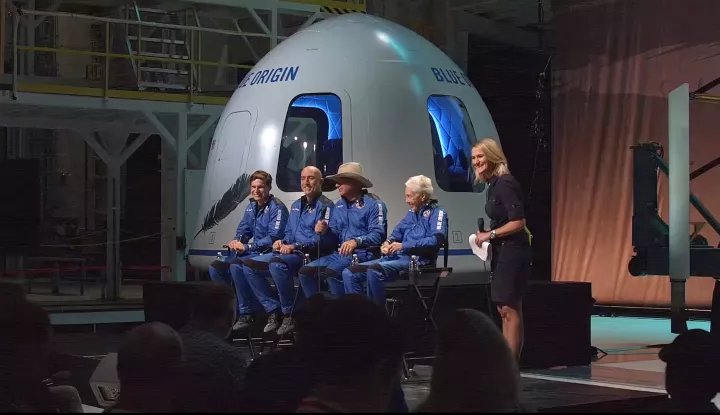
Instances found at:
x=340 y=10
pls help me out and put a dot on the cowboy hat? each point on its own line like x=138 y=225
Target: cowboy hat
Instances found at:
x=351 y=170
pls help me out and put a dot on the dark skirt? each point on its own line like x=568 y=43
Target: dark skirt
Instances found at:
x=511 y=266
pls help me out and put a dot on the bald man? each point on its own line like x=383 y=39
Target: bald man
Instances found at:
x=148 y=362
x=288 y=256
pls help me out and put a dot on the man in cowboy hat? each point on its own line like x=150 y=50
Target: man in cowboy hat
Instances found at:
x=359 y=222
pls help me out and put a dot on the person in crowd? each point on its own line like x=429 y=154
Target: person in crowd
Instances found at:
x=263 y=223
x=25 y=360
x=691 y=371
x=511 y=255
x=469 y=342
x=421 y=232
x=359 y=222
x=300 y=242
x=148 y=363
x=213 y=371
x=354 y=352
x=276 y=382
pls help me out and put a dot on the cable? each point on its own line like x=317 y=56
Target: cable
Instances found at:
x=103 y=243
x=537 y=129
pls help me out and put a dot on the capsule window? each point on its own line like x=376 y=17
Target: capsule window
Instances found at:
x=312 y=136
x=453 y=137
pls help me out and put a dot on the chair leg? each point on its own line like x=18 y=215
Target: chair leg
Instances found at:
x=406 y=369
x=251 y=346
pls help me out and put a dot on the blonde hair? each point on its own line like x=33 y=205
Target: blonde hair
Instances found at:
x=495 y=157
x=421 y=185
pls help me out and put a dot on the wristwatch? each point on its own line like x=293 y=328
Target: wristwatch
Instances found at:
x=492 y=234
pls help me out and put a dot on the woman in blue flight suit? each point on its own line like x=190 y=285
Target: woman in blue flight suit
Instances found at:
x=511 y=256
x=421 y=232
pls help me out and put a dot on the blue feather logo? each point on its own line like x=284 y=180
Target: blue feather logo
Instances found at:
x=238 y=192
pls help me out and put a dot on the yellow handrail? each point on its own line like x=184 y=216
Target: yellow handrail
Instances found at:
x=360 y=7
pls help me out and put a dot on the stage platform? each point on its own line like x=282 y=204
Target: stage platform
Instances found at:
x=628 y=379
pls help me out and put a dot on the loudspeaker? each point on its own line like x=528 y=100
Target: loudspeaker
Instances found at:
x=556 y=315
x=20 y=209
x=170 y=302
x=557 y=324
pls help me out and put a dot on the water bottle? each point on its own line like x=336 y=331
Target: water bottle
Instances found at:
x=355 y=260
x=306 y=259
x=414 y=264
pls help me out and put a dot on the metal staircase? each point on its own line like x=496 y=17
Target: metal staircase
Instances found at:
x=169 y=44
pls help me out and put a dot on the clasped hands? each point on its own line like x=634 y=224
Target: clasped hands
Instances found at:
x=284 y=249
x=389 y=248
x=236 y=245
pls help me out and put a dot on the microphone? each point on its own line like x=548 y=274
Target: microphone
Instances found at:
x=481 y=224
x=323 y=211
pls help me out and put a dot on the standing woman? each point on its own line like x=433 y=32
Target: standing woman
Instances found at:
x=510 y=265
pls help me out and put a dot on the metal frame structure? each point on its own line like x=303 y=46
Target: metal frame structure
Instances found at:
x=661 y=249
x=105 y=117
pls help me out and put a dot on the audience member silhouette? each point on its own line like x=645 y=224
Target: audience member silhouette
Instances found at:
x=470 y=343
x=691 y=372
x=148 y=362
x=25 y=358
x=213 y=371
x=354 y=352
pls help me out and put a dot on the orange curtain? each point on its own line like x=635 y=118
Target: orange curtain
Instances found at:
x=614 y=63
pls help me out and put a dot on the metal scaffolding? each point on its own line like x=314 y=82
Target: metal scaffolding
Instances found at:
x=104 y=111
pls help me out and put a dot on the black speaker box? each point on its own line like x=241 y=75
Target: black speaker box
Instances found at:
x=556 y=315
x=170 y=302
x=557 y=324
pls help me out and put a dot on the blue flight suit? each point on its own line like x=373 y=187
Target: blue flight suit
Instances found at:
x=422 y=233
x=300 y=232
x=264 y=225
x=364 y=220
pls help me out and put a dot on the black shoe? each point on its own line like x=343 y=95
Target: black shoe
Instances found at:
x=287 y=326
x=243 y=322
x=273 y=322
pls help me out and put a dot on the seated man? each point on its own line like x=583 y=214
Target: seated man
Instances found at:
x=421 y=232
x=264 y=222
x=359 y=222
x=283 y=265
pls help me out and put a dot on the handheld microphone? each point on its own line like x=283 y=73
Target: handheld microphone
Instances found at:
x=323 y=211
x=481 y=224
